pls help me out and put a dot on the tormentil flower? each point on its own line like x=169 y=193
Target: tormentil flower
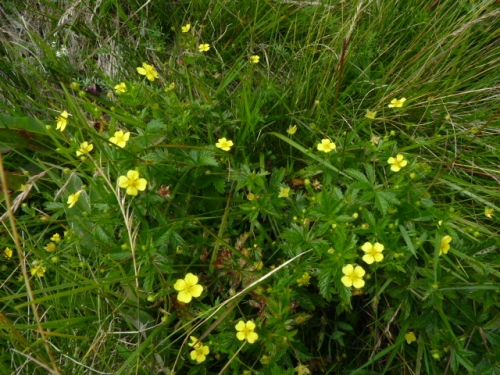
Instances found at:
x=410 y=337
x=200 y=352
x=120 y=138
x=246 y=331
x=62 y=121
x=445 y=245
x=373 y=253
x=224 y=144
x=186 y=28
x=38 y=270
x=204 y=47
x=353 y=276
x=8 y=252
x=488 y=212
x=302 y=369
x=304 y=279
x=370 y=114
x=51 y=247
x=284 y=192
x=188 y=288
x=121 y=88
x=85 y=148
x=397 y=163
x=56 y=238
x=326 y=145
x=149 y=71
x=250 y=196
x=132 y=182
x=254 y=59
x=73 y=198
x=397 y=103
x=292 y=129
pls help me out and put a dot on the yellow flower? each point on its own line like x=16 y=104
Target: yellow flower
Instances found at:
x=8 y=252
x=373 y=253
x=254 y=59
x=410 y=337
x=73 y=198
x=326 y=145
x=250 y=196
x=292 y=129
x=353 y=276
x=121 y=88
x=62 y=121
x=302 y=369
x=204 y=47
x=120 y=138
x=132 y=182
x=370 y=114
x=445 y=245
x=85 y=148
x=149 y=71
x=284 y=192
x=38 y=270
x=56 y=238
x=188 y=288
x=488 y=212
x=246 y=331
x=397 y=163
x=200 y=352
x=304 y=279
x=397 y=103
x=51 y=247
x=186 y=28
x=224 y=144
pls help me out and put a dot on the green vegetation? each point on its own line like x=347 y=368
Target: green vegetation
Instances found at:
x=250 y=187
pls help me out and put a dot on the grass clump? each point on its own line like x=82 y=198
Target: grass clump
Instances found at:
x=250 y=187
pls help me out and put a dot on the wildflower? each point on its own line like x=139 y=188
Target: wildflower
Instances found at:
x=246 y=331
x=302 y=369
x=51 y=247
x=397 y=163
x=56 y=238
x=254 y=59
x=73 y=198
x=224 y=144
x=132 y=182
x=410 y=337
x=38 y=270
x=121 y=88
x=445 y=245
x=200 y=351
x=488 y=212
x=375 y=139
x=353 y=276
x=304 y=279
x=326 y=145
x=120 y=138
x=284 y=192
x=292 y=129
x=8 y=252
x=85 y=148
x=370 y=114
x=397 y=103
x=373 y=253
x=250 y=196
x=186 y=28
x=204 y=47
x=188 y=288
x=149 y=71
x=62 y=121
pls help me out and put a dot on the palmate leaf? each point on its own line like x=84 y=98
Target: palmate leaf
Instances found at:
x=383 y=199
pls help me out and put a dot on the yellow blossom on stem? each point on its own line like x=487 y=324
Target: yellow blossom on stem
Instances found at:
x=373 y=253
x=304 y=279
x=56 y=238
x=370 y=114
x=326 y=145
x=292 y=129
x=51 y=247
x=200 y=352
x=85 y=148
x=410 y=337
x=224 y=144
x=186 y=28
x=8 y=252
x=121 y=88
x=284 y=192
x=488 y=212
x=397 y=163
x=204 y=47
x=73 y=198
x=246 y=331
x=188 y=288
x=254 y=59
x=62 y=121
x=250 y=196
x=120 y=138
x=353 y=276
x=397 y=103
x=444 y=246
x=149 y=71
x=132 y=182
x=302 y=369
x=38 y=270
